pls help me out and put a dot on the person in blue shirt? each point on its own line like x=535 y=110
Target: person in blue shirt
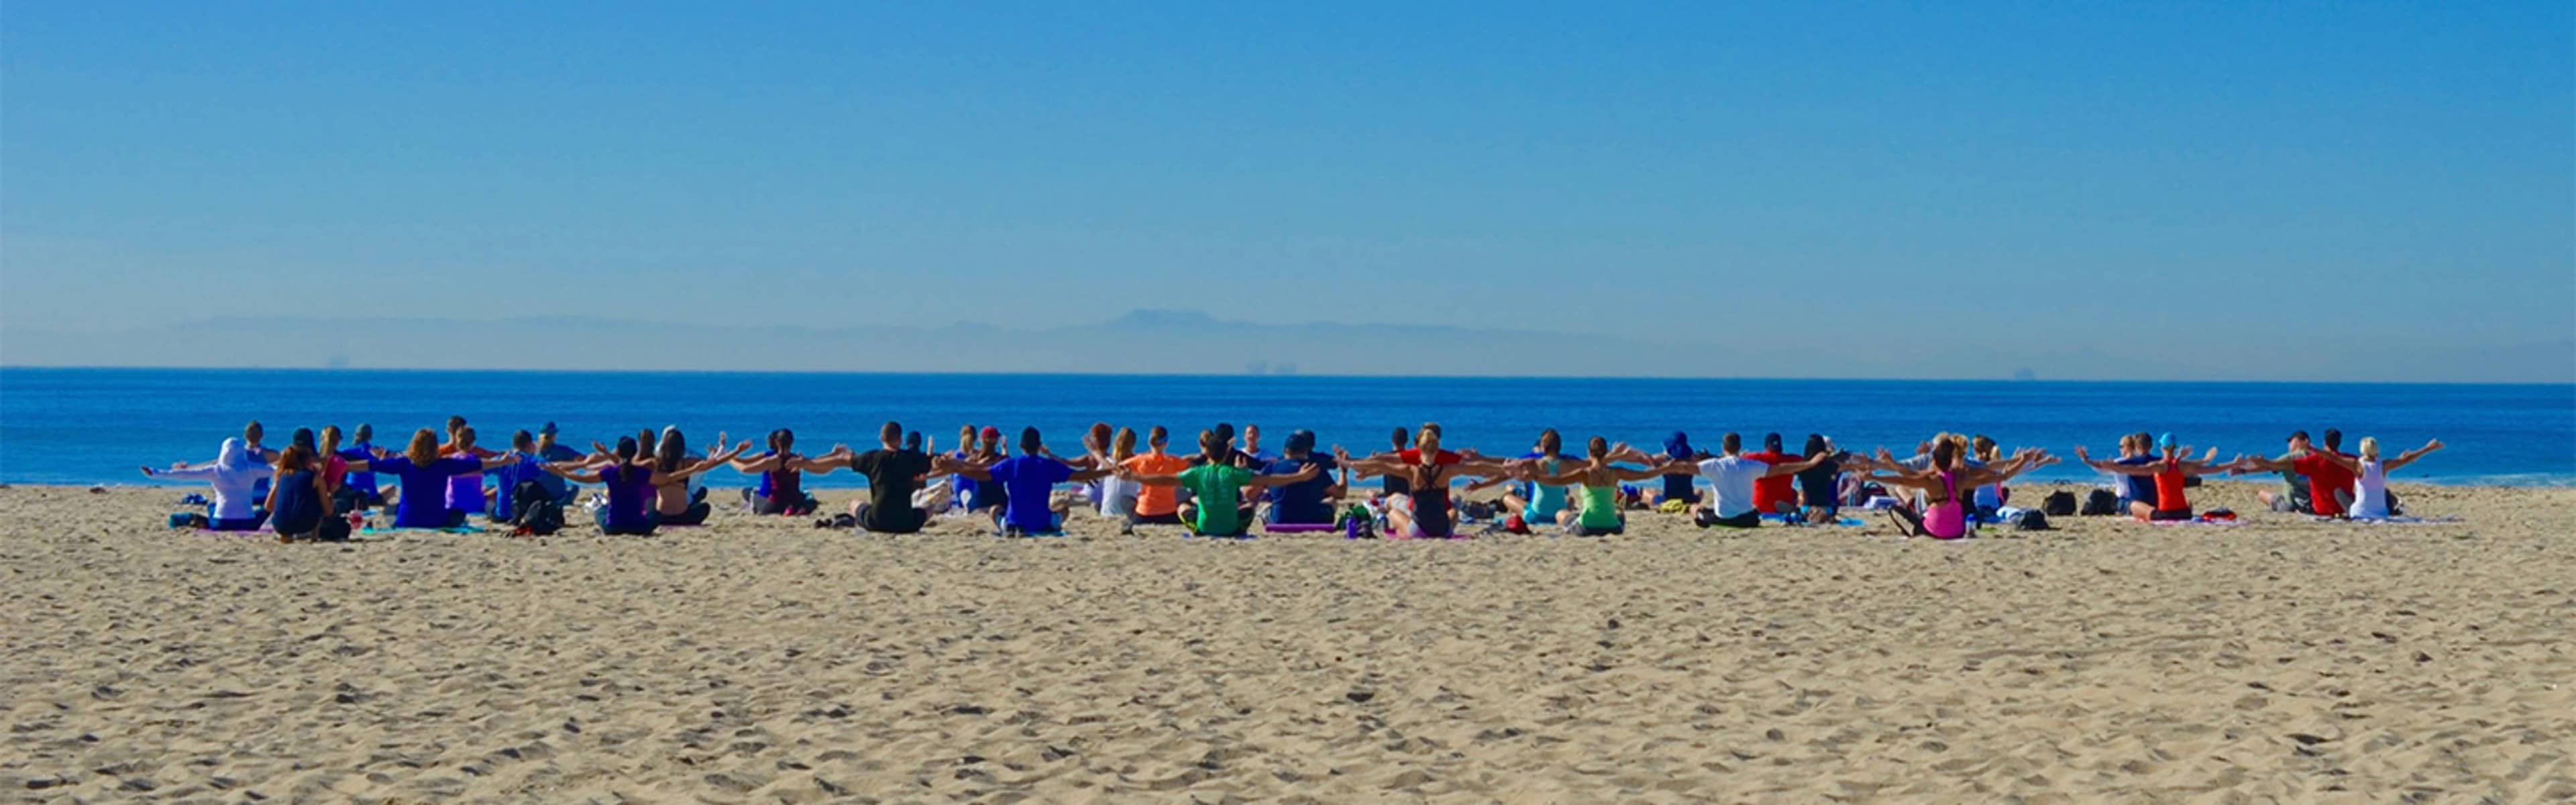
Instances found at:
x=549 y=452
x=1307 y=502
x=507 y=478
x=360 y=485
x=1028 y=482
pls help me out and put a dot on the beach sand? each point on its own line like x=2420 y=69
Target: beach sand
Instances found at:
x=760 y=660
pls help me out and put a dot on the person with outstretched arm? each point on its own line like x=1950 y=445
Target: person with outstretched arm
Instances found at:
x=895 y=474
x=2169 y=473
x=1216 y=485
x=1426 y=513
x=1732 y=474
x=2370 y=475
x=1595 y=512
x=1028 y=483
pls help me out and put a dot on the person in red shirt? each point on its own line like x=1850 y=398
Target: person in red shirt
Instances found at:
x=2329 y=482
x=1774 y=494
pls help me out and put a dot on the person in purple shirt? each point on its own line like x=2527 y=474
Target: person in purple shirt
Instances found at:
x=425 y=476
x=1028 y=482
x=630 y=490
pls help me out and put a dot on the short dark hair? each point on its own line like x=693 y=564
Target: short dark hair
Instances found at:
x=891 y=431
x=2334 y=439
x=1731 y=443
x=1029 y=442
x=2298 y=436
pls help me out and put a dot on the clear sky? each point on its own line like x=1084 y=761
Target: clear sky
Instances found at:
x=2219 y=187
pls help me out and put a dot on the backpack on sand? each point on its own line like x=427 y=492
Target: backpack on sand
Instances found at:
x=2101 y=502
x=2031 y=520
x=538 y=512
x=2060 y=503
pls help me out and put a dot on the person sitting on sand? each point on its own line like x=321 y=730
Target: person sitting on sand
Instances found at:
x=2169 y=473
x=1820 y=487
x=630 y=484
x=1216 y=485
x=1596 y=512
x=1307 y=502
x=550 y=451
x=2370 y=475
x=1945 y=482
x=895 y=472
x=782 y=475
x=1427 y=470
x=324 y=456
x=1775 y=494
x=465 y=492
x=1114 y=497
x=233 y=474
x=1251 y=451
x=1535 y=503
x=300 y=501
x=425 y=477
x=1394 y=483
x=363 y=493
x=1028 y=481
x=1732 y=476
x=251 y=436
x=898 y=502
x=2330 y=482
x=671 y=467
x=1155 y=505
x=1677 y=486
x=515 y=485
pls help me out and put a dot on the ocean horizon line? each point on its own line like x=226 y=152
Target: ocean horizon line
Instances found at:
x=390 y=370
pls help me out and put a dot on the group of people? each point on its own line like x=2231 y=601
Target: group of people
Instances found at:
x=316 y=488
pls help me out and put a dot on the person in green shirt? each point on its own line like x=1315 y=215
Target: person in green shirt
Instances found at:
x=1597 y=510
x=1217 y=507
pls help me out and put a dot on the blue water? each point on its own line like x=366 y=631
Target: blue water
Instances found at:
x=97 y=425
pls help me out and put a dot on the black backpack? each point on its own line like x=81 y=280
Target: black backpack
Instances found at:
x=2101 y=502
x=536 y=510
x=2060 y=503
x=2031 y=520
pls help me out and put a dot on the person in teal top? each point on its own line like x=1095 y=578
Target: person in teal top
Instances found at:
x=1217 y=507
x=1536 y=504
x=1600 y=477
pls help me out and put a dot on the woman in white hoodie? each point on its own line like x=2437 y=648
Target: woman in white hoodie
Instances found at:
x=234 y=474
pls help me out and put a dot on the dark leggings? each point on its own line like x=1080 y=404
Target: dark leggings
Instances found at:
x=1173 y=518
x=251 y=523
x=640 y=531
x=695 y=514
x=907 y=521
x=766 y=505
x=1746 y=520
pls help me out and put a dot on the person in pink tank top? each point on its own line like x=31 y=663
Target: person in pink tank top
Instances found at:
x=1944 y=515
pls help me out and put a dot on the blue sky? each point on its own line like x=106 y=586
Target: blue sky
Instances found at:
x=2215 y=186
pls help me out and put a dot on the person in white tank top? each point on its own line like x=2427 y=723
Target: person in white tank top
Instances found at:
x=2370 y=482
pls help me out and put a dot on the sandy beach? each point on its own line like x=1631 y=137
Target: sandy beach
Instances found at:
x=761 y=660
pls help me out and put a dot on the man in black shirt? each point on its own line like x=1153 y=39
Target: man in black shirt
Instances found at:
x=894 y=473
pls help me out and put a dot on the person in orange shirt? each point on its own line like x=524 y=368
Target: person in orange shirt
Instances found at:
x=1157 y=505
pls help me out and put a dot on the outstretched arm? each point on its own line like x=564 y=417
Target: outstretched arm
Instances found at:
x=2410 y=456
x=2105 y=466
x=1795 y=467
x=1307 y=473
x=558 y=470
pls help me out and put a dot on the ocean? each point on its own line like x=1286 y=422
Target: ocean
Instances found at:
x=84 y=426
